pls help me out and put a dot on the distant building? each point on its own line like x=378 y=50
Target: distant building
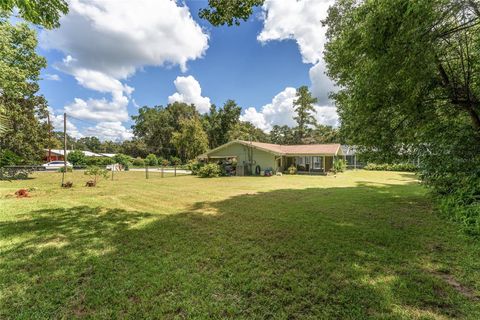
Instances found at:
x=57 y=154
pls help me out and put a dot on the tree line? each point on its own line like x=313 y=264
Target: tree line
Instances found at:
x=178 y=130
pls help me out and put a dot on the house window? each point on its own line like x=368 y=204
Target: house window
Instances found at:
x=307 y=160
x=299 y=161
x=317 y=162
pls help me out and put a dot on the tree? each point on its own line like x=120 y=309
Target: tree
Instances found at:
x=228 y=12
x=325 y=134
x=211 y=124
x=45 y=13
x=77 y=157
x=4 y=123
x=151 y=160
x=247 y=131
x=303 y=106
x=92 y=144
x=282 y=135
x=156 y=125
x=220 y=124
x=409 y=85
x=191 y=140
x=134 y=148
x=96 y=173
x=25 y=110
x=419 y=67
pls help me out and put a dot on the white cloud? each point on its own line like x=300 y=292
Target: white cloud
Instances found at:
x=326 y=115
x=119 y=37
x=114 y=131
x=300 y=20
x=52 y=77
x=281 y=112
x=105 y=42
x=189 y=91
x=100 y=109
x=57 y=123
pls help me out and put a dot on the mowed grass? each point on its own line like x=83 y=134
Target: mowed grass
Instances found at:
x=362 y=245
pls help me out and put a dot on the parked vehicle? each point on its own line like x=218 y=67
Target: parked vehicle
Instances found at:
x=55 y=165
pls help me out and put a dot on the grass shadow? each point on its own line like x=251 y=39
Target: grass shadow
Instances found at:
x=362 y=252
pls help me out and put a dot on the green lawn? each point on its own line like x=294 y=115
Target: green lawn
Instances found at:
x=356 y=246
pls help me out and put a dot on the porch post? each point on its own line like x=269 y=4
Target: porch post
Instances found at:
x=324 y=164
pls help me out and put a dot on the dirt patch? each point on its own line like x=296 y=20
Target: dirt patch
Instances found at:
x=463 y=290
x=22 y=193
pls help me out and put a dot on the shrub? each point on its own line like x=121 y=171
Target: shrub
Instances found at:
x=9 y=158
x=122 y=159
x=408 y=167
x=67 y=184
x=77 y=158
x=164 y=162
x=97 y=161
x=138 y=162
x=62 y=169
x=339 y=165
x=96 y=173
x=210 y=170
x=175 y=161
x=194 y=166
x=151 y=160
x=292 y=170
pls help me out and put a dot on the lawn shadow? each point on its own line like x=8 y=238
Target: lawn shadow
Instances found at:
x=358 y=252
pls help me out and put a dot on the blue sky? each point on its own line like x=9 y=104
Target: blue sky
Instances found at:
x=104 y=62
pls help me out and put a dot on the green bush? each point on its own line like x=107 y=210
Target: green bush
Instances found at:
x=62 y=169
x=339 y=165
x=123 y=159
x=96 y=161
x=138 y=162
x=210 y=170
x=151 y=160
x=175 y=161
x=77 y=158
x=408 y=167
x=194 y=166
x=95 y=173
x=9 y=158
x=292 y=170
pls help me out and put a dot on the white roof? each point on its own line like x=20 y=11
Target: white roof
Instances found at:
x=86 y=153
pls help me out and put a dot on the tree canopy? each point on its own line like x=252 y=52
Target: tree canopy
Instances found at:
x=303 y=105
x=229 y=12
x=45 y=13
x=24 y=109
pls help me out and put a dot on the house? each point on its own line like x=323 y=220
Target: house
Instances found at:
x=254 y=156
x=57 y=154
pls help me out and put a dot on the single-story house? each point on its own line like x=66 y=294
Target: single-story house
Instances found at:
x=310 y=158
x=57 y=154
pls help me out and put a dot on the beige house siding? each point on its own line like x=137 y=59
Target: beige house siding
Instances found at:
x=262 y=158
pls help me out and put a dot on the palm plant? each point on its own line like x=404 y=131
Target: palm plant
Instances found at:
x=4 y=123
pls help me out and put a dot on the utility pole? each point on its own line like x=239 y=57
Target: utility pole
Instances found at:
x=64 y=147
x=49 y=137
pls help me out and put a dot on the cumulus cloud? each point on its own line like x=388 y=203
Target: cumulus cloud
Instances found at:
x=281 y=112
x=57 y=123
x=189 y=91
x=105 y=42
x=116 y=38
x=114 y=131
x=300 y=20
x=100 y=109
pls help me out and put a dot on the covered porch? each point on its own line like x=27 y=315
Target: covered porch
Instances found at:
x=306 y=164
